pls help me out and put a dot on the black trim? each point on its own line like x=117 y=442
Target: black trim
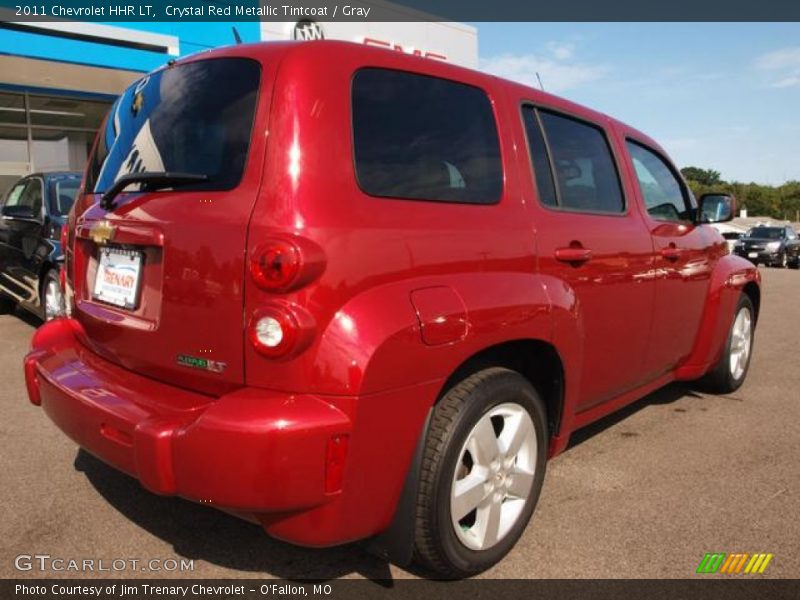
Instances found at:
x=85 y=37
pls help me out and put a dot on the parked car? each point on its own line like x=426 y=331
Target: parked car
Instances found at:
x=380 y=320
x=33 y=212
x=731 y=237
x=773 y=245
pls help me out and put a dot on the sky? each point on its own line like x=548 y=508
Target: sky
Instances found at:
x=722 y=96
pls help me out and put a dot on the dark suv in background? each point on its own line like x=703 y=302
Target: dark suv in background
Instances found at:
x=774 y=245
x=33 y=212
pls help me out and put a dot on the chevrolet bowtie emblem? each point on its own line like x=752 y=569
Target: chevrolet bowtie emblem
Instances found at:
x=101 y=232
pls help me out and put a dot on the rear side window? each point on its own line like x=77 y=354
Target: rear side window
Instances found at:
x=663 y=194
x=191 y=118
x=62 y=194
x=541 y=163
x=424 y=138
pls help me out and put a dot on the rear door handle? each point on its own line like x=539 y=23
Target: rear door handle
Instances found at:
x=573 y=254
x=671 y=252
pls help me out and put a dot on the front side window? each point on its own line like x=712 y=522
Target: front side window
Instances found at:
x=28 y=194
x=192 y=118
x=663 y=194
x=424 y=138
x=583 y=172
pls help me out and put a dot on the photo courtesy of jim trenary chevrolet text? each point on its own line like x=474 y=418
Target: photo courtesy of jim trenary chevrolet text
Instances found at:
x=370 y=299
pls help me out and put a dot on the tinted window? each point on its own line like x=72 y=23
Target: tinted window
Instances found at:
x=586 y=176
x=663 y=193
x=62 y=194
x=424 y=138
x=28 y=193
x=191 y=118
x=540 y=162
x=767 y=233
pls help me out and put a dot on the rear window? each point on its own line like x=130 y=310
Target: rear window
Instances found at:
x=424 y=138
x=191 y=118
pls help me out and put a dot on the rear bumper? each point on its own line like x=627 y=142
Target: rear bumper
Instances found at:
x=252 y=451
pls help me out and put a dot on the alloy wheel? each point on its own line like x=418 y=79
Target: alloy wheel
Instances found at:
x=494 y=476
x=741 y=342
x=53 y=301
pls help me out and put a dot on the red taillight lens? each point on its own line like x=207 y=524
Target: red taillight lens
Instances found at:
x=273 y=331
x=64 y=232
x=276 y=265
x=335 y=456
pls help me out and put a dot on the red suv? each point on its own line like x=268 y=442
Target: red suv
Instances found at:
x=349 y=293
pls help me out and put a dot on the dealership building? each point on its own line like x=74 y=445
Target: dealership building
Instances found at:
x=58 y=79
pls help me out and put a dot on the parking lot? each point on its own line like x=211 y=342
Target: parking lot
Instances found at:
x=644 y=493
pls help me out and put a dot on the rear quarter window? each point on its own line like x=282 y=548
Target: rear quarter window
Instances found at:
x=424 y=138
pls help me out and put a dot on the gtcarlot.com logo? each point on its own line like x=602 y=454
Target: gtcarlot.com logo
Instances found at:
x=739 y=563
x=46 y=562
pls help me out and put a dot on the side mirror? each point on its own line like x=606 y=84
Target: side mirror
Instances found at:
x=716 y=208
x=20 y=212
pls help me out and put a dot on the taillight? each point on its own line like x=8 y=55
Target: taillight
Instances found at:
x=64 y=231
x=273 y=331
x=275 y=265
x=283 y=264
x=335 y=456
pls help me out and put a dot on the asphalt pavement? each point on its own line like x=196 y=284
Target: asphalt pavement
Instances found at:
x=644 y=493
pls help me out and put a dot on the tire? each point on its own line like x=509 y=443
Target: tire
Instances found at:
x=7 y=305
x=467 y=427
x=52 y=296
x=795 y=264
x=727 y=377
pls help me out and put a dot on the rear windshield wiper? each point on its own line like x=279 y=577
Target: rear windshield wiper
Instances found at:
x=151 y=180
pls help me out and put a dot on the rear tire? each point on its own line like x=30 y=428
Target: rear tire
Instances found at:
x=7 y=305
x=52 y=296
x=729 y=373
x=482 y=472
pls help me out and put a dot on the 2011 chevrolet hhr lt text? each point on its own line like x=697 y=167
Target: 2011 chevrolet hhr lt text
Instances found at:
x=348 y=293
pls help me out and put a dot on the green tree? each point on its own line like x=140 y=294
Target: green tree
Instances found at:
x=702 y=176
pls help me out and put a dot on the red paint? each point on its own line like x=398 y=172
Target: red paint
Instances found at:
x=388 y=299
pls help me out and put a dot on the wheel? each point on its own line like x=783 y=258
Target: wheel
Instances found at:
x=795 y=264
x=7 y=305
x=730 y=371
x=482 y=472
x=52 y=296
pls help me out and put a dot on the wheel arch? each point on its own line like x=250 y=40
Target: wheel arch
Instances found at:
x=536 y=360
x=732 y=277
x=753 y=291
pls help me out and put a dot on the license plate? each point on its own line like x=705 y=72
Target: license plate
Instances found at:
x=118 y=276
x=752 y=255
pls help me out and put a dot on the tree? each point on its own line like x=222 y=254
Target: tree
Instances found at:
x=702 y=176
